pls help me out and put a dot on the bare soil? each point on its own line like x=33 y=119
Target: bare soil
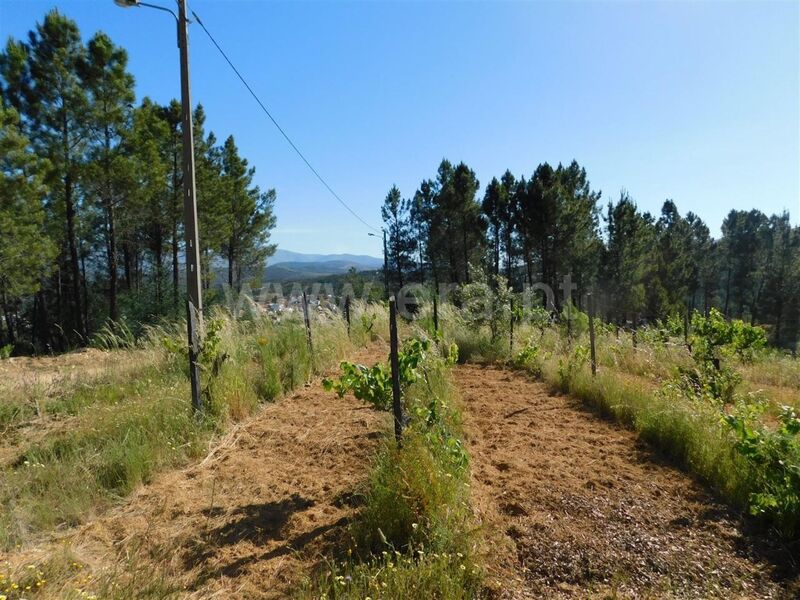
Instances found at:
x=574 y=507
x=252 y=518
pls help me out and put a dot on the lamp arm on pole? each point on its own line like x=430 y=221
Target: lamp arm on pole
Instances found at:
x=157 y=7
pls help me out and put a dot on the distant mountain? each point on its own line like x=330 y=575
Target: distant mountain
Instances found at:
x=357 y=260
x=286 y=265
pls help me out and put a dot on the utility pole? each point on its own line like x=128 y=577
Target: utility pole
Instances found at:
x=385 y=261
x=194 y=301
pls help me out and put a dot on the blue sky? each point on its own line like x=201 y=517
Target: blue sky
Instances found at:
x=698 y=102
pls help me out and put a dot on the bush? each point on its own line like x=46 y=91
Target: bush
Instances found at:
x=487 y=304
x=714 y=337
x=529 y=359
x=774 y=461
x=573 y=320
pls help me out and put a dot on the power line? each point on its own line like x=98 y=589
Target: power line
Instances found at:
x=274 y=122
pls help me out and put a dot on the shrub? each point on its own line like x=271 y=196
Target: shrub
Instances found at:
x=374 y=384
x=487 y=304
x=570 y=365
x=529 y=359
x=714 y=337
x=573 y=320
x=774 y=460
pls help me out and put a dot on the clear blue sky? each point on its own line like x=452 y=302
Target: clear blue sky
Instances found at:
x=698 y=102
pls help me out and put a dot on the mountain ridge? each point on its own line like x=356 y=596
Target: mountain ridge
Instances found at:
x=286 y=265
x=289 y=256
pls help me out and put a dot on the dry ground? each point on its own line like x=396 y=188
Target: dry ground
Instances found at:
x=572 y=506
x=253 y=517
x=576 y=507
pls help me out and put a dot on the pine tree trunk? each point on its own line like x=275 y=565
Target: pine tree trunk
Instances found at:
x=113 y=311
x=75 y=279
x=230 y=264
x=59 y=296
x=9 y=321
x=727 y=290
x=421 y=263
x=126 y=264
x=85 y=290
x=159 y=264
x=466 y=251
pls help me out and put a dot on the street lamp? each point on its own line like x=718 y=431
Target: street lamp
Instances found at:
x=194 y=303
x=385 y=260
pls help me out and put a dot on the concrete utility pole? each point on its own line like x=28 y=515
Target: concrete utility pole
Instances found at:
x=194 y=300
x=385 y=261
x=194 y=304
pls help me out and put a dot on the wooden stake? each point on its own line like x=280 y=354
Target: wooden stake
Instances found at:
x=347 y=313
x=569 y=320
x=591 y=333
x=397 y=407
x=686 y=327
x=308 y=324
x=435 y=313
x=511 y=335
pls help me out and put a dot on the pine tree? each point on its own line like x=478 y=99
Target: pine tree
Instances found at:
x=26 y=252
x=400 y=241
x=742 y=251
x=703 y=278
x=47 y=89
x=248 y=217
x=171 y=115
x=669 y=293
x=508 y=213
x=420 y=224
x=627 y=258
x=781 y=296
x=467 y=210
x=111 y=95
x=577 y=242
x=495 y=197
x=148 y=213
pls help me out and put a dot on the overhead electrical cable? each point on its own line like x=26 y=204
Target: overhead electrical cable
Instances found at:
x=277 y=125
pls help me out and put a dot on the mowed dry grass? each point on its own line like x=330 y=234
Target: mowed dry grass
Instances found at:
x=35 y=381
x=250 y=520
x=576 y=507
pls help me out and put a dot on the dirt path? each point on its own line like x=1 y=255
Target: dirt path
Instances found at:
x=255 y=515
x=575 y=507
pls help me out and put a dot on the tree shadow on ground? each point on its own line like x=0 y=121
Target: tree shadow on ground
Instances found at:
x=254 y=523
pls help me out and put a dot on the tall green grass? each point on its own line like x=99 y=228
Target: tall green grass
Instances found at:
x=124 y=429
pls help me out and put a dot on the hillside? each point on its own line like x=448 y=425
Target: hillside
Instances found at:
x=286 y=265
